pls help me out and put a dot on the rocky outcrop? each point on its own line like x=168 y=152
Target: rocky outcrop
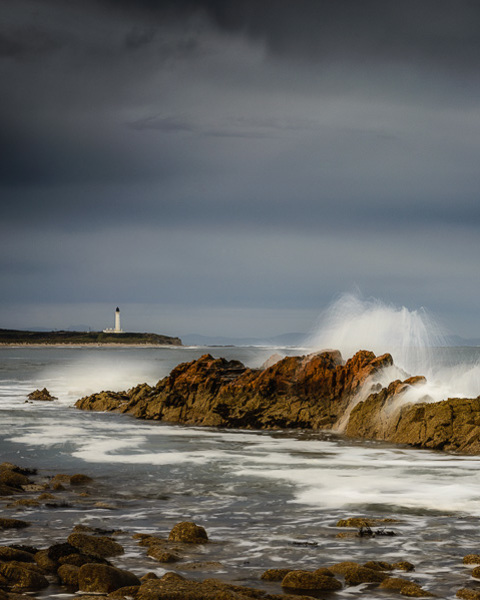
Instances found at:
x=42 y=395
x=318 y=391
x=452 y=425
x=295 y=392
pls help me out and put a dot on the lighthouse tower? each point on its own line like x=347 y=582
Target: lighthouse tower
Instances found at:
x=117 y=328
x=117 y=321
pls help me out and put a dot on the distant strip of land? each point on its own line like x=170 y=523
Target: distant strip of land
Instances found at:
x=17 y=337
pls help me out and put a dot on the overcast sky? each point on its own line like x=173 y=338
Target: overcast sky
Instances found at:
x=232 y=166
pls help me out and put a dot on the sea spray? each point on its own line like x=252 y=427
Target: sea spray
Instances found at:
x=351 y=324
x=412 y=337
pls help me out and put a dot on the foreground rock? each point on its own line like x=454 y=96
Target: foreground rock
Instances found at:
x=103 y=579
x=175 y=587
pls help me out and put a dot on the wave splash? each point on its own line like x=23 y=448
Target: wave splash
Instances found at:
x=413 y=338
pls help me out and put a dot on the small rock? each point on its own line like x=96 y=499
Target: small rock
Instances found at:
x=163 y=556
x=23 y=502
x=23 y=576
x=78 y=560
x=68 y=575
x=394 y=583
x=306 y=580
x=342 y=567
x=471 y=559
x=13 y=524
x=42 y=395
x=363 y=522
x=56 y=551
x=378 y=565
x=91 y=544
x=412 y=590
x=80 y=479
x=468 y=594
x=476 y=572
x=46 y=496
x=125 y=592
x=13 y=479
x=104 y=505
x=149 y=575
x=103 y=579
x=188 y=533
x=44 y=561
x=61 y=478
x=357 y=575
x=7 y=553
x=34 y=487
x=274 y=574
x=403 y=565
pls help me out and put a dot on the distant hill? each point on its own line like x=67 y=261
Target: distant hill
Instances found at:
x=456 y=340
x=286 y=339
x=13 y=336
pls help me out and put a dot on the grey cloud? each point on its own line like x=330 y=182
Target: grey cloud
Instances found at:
x=252 y=154
x=432 y=31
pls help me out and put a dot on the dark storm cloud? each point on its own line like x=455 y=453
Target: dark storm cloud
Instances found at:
x=431 y=30
x=249 y=153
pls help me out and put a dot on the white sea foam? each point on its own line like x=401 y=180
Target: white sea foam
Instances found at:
x=362 y=476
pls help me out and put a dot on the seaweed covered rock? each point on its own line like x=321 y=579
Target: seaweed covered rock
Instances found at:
x=68 y=575
x=188 y=533
x=6 y=523
x=13 y=480
x=95 y=545
x=8 y=553
x=468 y=594
x=359 y=574
x=173 y=586
x=23 y=576
x=103 y=579
x=274 y=574
x=306 y=580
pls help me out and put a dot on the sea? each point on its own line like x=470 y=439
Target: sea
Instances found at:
x=267 y=499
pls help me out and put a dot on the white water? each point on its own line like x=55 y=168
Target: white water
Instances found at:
x=412 y=337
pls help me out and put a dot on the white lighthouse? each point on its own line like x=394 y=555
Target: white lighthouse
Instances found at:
x=117 y=328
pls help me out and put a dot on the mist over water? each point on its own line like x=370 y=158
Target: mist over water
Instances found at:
x=413 y=338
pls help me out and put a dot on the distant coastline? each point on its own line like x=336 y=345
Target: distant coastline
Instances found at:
x=13 y=337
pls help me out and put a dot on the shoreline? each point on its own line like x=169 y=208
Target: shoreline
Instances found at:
x=87 y=345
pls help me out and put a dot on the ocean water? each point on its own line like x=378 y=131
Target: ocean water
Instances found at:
x=266 y=499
